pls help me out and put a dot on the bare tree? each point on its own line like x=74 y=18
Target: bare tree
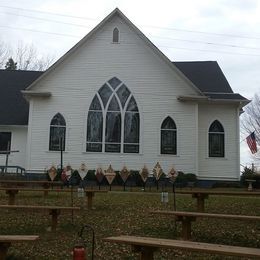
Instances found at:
x=251 y=120
x=26 y=56
x=4 y=54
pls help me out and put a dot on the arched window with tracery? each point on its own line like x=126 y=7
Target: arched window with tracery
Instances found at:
x=216 y=140
x=57 y=133
x=113 y=123
x=168 y=136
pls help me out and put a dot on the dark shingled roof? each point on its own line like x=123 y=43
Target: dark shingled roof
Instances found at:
x=205 y=75
x=14 y=109
x=208 y=77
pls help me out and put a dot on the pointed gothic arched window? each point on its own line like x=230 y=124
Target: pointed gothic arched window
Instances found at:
x=115 y=35
x=216 y=140
x=168 y=136
x=113 y=123
x=57 y=133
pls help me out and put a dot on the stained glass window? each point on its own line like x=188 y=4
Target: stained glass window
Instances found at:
x=57 y=133
x=168 y=136
x=216 y=140
x=115 y=126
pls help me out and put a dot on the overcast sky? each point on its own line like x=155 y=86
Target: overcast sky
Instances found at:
x=226 y=31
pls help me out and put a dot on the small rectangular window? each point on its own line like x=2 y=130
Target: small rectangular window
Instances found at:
x=5 y=141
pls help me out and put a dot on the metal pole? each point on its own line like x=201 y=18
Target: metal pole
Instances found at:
x=61 y=153
x=7 y=156
x=174 y=197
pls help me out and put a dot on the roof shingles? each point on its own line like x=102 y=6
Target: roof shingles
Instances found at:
x=14 y=109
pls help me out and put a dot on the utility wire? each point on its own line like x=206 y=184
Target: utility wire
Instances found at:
x=151 y=26
x=159 y=46
x=159 y=37
x=48 y=20
x=49 y=13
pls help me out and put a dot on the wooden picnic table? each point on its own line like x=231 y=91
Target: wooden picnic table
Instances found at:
x=54 y=211
x=201 y=195
x=7 y=240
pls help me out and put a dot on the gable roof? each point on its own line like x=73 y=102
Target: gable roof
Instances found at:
x=209 y=78
x=14 y=109
x=115 y=12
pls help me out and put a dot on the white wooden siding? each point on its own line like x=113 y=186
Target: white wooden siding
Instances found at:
x=153 y=83
x=226 y=168
x=155 y=86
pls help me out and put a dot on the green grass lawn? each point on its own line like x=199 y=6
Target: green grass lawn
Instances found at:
x=120 y=212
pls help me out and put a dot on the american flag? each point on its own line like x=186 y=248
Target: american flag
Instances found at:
x=251 y=141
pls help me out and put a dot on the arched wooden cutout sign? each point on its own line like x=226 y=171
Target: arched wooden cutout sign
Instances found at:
x=124 y=173
x=157 y=171
x=99 y=174
x=52 y=172
x=110 y=174
x=144 y=173
x=82 y=171
x=68 y=171
x=172 y=174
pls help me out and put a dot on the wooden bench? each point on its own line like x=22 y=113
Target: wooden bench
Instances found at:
x=187 y=217
x=201 y=195
x=19 y=183
x=12 y=192
x=54 y=211
x=7 y=240
x=146 y=246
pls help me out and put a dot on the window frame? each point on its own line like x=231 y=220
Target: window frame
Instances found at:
x=175 y=139
x=3 y=151
x=119 y=95
x=115 y=35
x=54 y=127
x=218 y=135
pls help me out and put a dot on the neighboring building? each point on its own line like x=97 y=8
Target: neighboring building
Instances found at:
x=115 y=98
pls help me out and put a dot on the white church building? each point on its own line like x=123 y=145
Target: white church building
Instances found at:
x=114 y=98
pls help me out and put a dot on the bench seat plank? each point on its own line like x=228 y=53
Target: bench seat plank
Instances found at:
x=205 y=215
x=38 y=207
x=186 y=245
x=201 y=195
x=17 y=238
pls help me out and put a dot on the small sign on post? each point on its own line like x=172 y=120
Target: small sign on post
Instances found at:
x=144 y=173
x=164 y=197
x=172 y=175
x=110 y=175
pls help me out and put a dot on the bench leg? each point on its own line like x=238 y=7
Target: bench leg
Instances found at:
x=11 y=194
x=54 y=218
x=186 y=229
x=90 y=196
x=200 y=201
x=146 y=253
x=200 y=204
x=3 y=249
